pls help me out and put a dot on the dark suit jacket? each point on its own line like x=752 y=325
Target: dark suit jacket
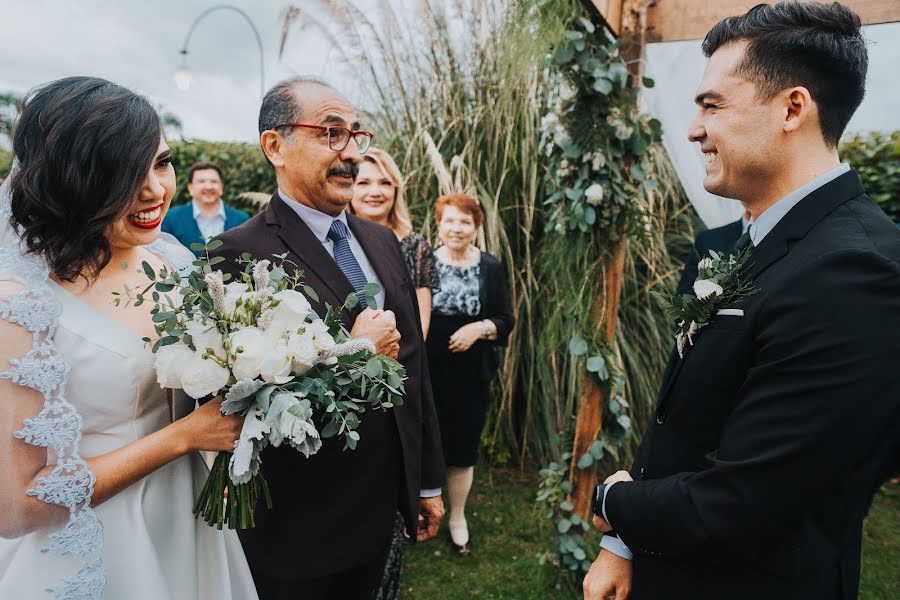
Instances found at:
x=720 y=239
x=769 y=436
x=495 y=305
x=335 y=510
x=180 y=222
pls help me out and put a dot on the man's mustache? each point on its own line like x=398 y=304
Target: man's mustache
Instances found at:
x=347 y=169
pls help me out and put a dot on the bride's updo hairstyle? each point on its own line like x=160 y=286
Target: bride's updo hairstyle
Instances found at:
x=84 y=147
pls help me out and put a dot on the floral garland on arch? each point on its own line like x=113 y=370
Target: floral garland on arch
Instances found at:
x=595 y=138
x=598 y=183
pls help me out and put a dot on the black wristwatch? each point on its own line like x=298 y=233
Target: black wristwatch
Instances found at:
x=598 y=500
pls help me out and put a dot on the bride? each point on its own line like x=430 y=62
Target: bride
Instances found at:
x=98 y=480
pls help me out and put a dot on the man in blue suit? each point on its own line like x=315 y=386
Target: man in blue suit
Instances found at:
x=206 y=216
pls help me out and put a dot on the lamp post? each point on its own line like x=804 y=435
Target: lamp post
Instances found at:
x=183 y=75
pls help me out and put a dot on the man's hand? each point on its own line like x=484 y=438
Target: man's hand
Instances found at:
x=431 y=513
x=618 y=476
x=379 y=326
x=608 y=577
x=599 y=522
x=463 y=338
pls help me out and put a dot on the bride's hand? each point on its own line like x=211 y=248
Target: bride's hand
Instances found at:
x=207 y=429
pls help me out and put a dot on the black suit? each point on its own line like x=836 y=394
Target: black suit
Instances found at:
x=334 y=512
x=754 y=476
x=720 y=239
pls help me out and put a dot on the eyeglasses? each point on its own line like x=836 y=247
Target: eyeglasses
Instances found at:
x=339 y=137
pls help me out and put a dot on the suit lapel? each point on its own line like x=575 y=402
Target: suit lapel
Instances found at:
x=795 y=225
x=299 y=238
x=801 y=218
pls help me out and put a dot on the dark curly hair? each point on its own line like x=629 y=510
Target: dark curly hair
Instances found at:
x=84 y=147
x=815 y=45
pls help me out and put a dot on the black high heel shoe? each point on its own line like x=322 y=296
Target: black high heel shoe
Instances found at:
x=464 y=550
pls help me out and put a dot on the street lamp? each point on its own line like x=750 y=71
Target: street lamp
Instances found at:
x=184 y=77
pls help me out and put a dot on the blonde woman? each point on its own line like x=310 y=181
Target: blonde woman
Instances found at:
x=378 y=197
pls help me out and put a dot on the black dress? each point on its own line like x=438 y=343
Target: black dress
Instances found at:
x=461 y=380
x=419 y=260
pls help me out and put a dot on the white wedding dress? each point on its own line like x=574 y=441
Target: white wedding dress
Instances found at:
x=97 y=376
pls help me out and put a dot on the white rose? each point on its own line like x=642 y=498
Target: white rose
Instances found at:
x=321 y=338
x=704 y=288
x=170 y=363
x=594 y=194
x=205 y=335
x=249 y=346
x=706 y=263
x=303 y=351
x=201 y=377
x=277 y=364
x=567 y=92
x=290 y=314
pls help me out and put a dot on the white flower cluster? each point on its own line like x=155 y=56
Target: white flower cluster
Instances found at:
x=285 y=341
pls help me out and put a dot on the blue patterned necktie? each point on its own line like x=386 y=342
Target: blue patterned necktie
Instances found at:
x=343 y=255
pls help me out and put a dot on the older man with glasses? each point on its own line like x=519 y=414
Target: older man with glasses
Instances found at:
x=327 y=536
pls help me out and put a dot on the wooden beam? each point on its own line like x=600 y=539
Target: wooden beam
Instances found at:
x=676 y=20
x=611 y=11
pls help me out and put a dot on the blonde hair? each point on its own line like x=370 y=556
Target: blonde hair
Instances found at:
x=398 y=218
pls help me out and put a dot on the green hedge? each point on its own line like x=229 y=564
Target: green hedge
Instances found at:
x=876 y=157
x=5 y=163
x=244 y=167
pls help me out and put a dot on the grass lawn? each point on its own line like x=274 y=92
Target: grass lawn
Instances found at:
x=509 y=536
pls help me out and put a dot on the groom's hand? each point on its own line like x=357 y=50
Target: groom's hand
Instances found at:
x=431 y=513
x=608 y=577
x=379 y=326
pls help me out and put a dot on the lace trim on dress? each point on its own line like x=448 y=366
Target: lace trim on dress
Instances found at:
x=58 y=426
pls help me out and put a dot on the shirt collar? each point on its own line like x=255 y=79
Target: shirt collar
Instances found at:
x=767 y=221
x=199 y=213
x=316 y=220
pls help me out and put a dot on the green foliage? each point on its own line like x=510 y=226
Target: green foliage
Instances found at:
x=594 y=136
x=244 y=167
x=876 y=157
x=5 y=163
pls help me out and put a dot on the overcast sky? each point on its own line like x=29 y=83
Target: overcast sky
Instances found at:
x=136 y=43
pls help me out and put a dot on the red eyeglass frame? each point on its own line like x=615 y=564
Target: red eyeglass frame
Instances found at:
x=353 y=133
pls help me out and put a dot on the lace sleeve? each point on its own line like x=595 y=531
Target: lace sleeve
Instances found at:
x=58 y=425
x=171 y=250
x=420 y=261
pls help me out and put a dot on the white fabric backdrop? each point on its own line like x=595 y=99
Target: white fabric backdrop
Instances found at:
x=677 y=68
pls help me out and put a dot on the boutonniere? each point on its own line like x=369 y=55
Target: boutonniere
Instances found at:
x=721 y=282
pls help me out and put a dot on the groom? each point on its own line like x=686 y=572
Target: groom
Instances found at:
x=328 y=533
x=769 y=436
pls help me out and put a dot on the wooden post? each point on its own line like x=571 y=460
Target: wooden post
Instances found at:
x=605 y=310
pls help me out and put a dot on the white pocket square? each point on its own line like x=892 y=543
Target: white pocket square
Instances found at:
x=730 y=312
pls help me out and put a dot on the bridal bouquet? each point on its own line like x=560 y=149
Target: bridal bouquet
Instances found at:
x=297 y=378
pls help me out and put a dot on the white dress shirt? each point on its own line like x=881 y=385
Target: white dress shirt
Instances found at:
x=759 y=228
x=320 y=223
x=209 y=226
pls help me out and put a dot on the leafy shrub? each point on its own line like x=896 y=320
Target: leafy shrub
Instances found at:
x=876 y=157
x=244 y=167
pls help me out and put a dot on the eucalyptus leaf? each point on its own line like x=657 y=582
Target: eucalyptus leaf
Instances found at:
x=578 y=346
